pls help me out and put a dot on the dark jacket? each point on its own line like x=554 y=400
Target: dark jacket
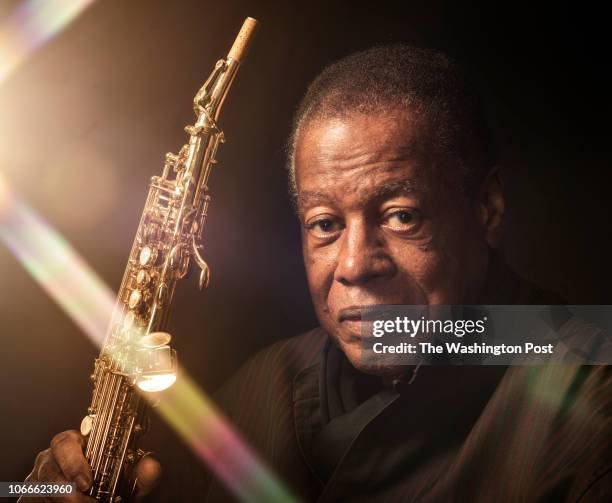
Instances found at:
x=542 y=434
x=475 y=434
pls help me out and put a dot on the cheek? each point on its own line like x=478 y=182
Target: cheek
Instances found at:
x=450 y=266
x=422 y=265
x=320 y=266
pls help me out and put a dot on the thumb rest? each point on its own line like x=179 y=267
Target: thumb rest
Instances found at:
x=136 y=351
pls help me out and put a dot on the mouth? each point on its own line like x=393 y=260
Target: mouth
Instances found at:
x=352 y=313
x=351 y=319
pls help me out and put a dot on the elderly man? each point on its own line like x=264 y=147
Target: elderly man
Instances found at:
x=399 y=200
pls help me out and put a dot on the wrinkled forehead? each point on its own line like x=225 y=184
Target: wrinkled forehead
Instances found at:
x=364 y=154
x=365 y=137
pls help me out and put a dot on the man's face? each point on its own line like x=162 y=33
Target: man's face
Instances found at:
x=383 y=222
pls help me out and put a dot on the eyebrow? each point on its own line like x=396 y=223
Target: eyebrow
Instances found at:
x=406 y=186
x=310 y=196
x=385 y=190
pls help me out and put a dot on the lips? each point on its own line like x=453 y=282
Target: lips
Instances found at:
x=350 y=318
x=352 y=313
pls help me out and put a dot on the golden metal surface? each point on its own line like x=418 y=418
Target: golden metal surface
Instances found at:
x=136 y=348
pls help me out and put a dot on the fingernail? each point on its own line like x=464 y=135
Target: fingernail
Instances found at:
x=82 y=483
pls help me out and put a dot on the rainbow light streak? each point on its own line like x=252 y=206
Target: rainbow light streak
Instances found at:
x=31 y=25
x=89 y=302
x=55 y=265
x=198 y=422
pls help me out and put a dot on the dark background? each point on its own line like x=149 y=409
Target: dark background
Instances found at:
x=87 y=119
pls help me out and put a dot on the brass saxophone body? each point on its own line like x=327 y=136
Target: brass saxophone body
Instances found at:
x=136 y=351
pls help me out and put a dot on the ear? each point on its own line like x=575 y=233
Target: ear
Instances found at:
x=492 y=207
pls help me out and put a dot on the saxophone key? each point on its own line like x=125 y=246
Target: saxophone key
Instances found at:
x=204 y=279
x=162 y=296
x=155 y=340
x=135 y=299
x=87 y=424
x=147 y=256
x=143 y=278
x=175 y=257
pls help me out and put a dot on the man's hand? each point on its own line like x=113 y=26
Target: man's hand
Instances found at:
x=64 y=462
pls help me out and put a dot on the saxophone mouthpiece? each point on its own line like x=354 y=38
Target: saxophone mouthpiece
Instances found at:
x=245 y=36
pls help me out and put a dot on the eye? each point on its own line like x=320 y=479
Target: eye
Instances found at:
x=402 y=220
x=323 y=227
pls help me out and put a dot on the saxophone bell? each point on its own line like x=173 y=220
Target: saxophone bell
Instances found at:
x=157 y=363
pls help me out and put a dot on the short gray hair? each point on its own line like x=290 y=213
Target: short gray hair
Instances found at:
x=388 y=78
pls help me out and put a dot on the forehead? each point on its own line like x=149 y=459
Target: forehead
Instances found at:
x=363 y=154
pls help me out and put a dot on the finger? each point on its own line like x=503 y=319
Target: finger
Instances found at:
x=33 y=477
x=147 y=473
x=67 y=449
x=48 y=471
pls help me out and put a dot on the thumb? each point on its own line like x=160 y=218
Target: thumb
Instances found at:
x=147 y=473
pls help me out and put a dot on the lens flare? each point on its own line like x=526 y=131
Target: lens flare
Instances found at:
x=196 y=419
x=89 y=302
x=55 y=265
x=156 y=383
x=31 y=25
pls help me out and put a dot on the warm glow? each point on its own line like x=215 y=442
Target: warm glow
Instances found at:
x=155 y=383
x=4 y=196
x=57 y=267
x=31 y=24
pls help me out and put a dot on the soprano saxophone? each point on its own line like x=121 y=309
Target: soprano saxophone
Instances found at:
x=136 y=351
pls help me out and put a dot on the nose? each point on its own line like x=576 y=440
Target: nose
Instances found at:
x=362 y=256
